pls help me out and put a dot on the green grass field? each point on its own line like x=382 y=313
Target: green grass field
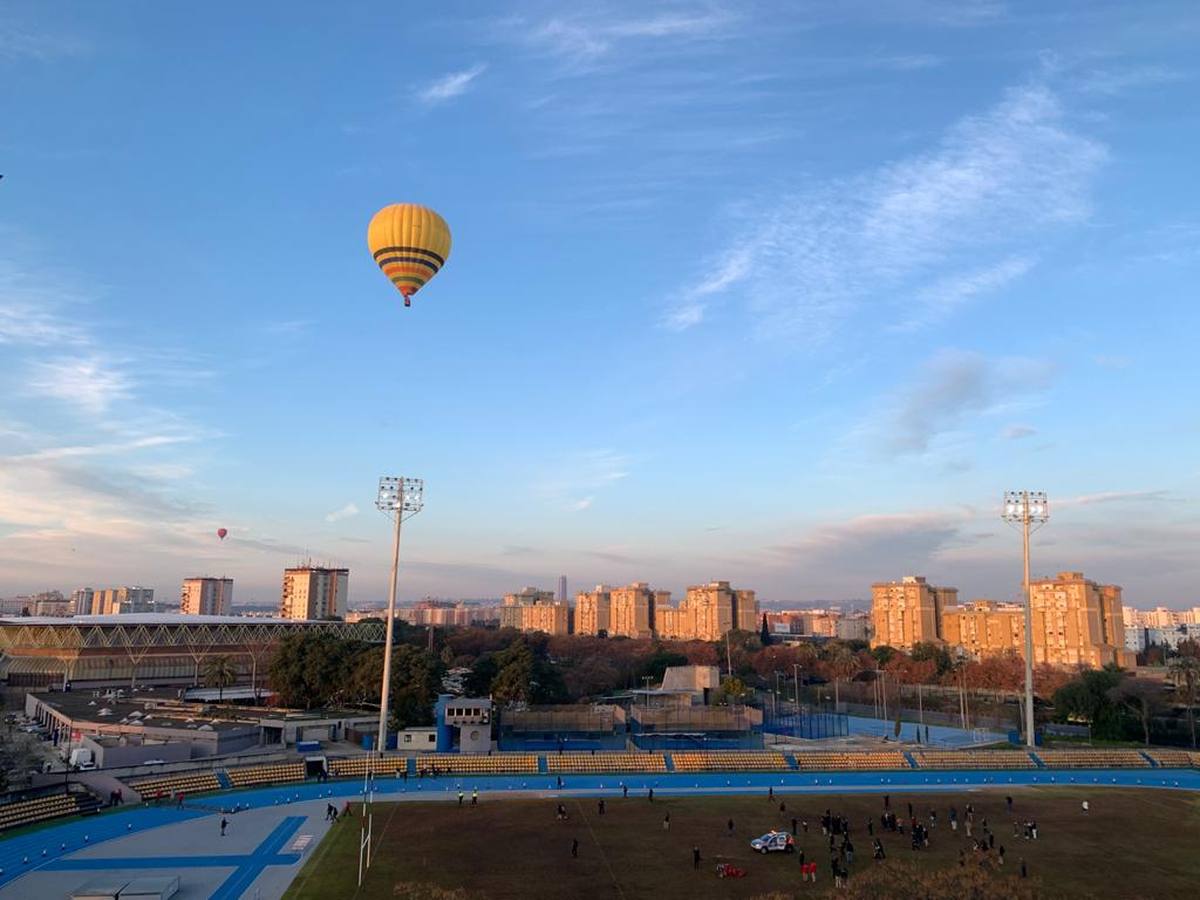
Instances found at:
x=1133 y=843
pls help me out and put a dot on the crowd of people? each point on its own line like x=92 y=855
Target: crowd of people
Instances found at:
x=981 y=847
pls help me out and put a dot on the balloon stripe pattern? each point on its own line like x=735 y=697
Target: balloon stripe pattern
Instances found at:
x=410 y=244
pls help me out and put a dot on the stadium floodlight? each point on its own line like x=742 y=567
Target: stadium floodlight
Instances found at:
x=400 y=498
x=1029 y=510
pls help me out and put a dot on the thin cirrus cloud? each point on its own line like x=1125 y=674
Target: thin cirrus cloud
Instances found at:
x=1114 y=82
x=451 y=85
x=574 y=481
x=17 y=43
x=996 y=183
x=107 y=476
x=586 y=38
x=1017 y=432
x=946 y=295
x=93 y=385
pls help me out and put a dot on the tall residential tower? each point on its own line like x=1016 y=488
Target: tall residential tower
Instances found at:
x=314 y=592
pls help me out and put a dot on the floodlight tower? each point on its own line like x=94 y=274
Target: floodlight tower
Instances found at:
x=401 y=498
x=1029 y=510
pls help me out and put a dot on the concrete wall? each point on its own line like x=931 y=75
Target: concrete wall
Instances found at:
x=135 y=754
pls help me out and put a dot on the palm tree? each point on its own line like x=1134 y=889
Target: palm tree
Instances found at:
x=220 y=672
x=843 y=664
x=1185 y=674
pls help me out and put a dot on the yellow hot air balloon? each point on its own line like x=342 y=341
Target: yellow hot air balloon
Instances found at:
x=410 y=243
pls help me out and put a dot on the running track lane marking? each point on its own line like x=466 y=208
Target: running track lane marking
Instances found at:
x=247 y=867
x=603 y=855
x=247 y=873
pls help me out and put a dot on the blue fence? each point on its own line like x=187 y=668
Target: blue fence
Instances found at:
x=665 y=740
x=813 y=726
x=566 y=743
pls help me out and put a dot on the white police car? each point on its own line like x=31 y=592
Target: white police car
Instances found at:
x=774 y=842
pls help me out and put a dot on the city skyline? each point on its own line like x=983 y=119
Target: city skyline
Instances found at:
x=869 y=281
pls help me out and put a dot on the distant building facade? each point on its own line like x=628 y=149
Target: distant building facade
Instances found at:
x=908 y=611
x=531 y=609
x=1075 y=621
x=632 y=610
x=593 y=611
x=707 y=612
x=206 y=596
x=1139 y=639
x=854 y=627
x=439 y=613
x=51 y=603
x=82 y=600
x=1160 y=617
x=985 y=627
x=314 y=592
x=113 y=601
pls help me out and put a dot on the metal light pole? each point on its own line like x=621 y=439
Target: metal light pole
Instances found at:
x=401 y=498
x=1028 y=510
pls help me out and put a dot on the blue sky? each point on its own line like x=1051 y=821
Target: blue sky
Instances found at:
x=781 y=293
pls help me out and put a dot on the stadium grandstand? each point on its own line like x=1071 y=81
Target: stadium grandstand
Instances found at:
x=158 y=648
x=203 y=778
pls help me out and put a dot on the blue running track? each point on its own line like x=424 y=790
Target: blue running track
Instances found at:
x=52 y=846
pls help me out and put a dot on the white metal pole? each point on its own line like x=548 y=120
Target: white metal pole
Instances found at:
x=385 y=689
x=1029 y=734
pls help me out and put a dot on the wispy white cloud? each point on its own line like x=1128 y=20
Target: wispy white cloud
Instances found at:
x=105 y=475
x=909 y=62
x=573 y=482
x=93 y=385
x=944 y=296
x=31 y=307
x=693 y=301
x=1154 y=496
x=77 y=451
x=346 y=512
x=997 y=182
x=1018 y=432
x=451 y=85
x=940 y=13
x=17 y=43
x=288 y=327
x=584 y=38
x=1116 y=81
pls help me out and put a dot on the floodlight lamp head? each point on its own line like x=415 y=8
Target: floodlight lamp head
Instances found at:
x=402 y=495
x=1020 y=506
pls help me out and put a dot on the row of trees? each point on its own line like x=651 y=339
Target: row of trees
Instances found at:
x=1116 y=706
x=318 y=670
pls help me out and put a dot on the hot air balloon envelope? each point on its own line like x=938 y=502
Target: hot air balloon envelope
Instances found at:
x=410 y=243
x=221 y=532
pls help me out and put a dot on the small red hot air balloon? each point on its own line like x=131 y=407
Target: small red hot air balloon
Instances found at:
x=221 y=532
